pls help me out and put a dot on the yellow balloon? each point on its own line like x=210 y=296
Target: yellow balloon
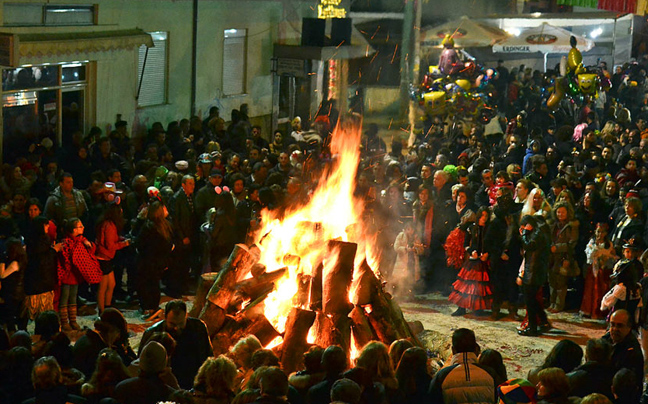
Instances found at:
x=434 y=102
x=463 y=83
x=574 y=58
x=588 y=83
x=557 y=95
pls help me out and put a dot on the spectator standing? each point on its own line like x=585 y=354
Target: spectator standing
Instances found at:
x=535 y=244
x=109 y=241
x=154 y=246
x=65 y=202
x=183 y=213
x=76 y=264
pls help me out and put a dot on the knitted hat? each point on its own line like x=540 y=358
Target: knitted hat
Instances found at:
x=516 y=391
x=153 y=359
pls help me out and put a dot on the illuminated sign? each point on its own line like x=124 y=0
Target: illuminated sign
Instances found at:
x=544 y=39
x=331 y=9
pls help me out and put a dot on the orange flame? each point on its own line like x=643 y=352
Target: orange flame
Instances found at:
x=331 y=213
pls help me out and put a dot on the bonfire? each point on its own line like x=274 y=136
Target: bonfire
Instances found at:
x=311 y=276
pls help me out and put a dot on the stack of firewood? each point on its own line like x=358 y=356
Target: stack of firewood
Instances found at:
x=231 y=303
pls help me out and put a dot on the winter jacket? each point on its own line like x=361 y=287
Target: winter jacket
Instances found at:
x=463 y=381
x=564 y=239
x=536 y=247
x=55 y=205
x=108 y=241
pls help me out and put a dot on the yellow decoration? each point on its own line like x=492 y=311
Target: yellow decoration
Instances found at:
x=588 y=83
x=463 y=83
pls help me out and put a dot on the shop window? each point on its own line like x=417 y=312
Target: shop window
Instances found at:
x=21 y=14
x=152 y=71
x=24 y=78
x=42 y=101
x=234 y=61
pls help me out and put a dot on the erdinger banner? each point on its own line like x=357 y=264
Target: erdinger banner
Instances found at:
x=544 y=38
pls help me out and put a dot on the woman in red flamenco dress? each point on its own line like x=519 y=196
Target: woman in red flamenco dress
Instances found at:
x=472 y=290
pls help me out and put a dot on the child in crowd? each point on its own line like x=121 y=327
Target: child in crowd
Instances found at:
x=626 y=290
x=77 y=263
x=600 y=260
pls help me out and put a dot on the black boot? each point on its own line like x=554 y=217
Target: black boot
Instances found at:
x=459 y=312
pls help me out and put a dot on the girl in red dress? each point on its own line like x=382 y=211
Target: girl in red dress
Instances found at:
x=472 y=290
x=600 y=261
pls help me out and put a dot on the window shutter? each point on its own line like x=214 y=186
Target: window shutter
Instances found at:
x=154 y=81
x=234 y=61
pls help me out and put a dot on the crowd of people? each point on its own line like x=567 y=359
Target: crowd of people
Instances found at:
x=175 y=364
x=536 y=208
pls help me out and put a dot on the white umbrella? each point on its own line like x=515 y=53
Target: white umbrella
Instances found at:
x=465 y=33
x=545 y=39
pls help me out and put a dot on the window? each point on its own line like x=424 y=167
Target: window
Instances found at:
x=152 y=85
x=20 y=14
x=234 y=61
x=45 y=101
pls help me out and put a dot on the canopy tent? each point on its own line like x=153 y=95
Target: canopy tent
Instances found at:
x=545 y=39
x=465 y=32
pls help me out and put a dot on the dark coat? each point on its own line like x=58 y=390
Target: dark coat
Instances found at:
x=57 y=395
x=41 y=273
x=627 y=354
x=192 y=348
x=184 y=218
x=536 y=247
x=154 y=251
x=591 y=377
x=142 y=390
x=86 y=350
x=204 y=200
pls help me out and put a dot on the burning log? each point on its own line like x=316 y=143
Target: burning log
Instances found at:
x=204 y=285
x=261 y=328
x=221 y=292
x=316 y=288
x=366 y=285
x=258 y=284
x=303 y=290
x=338 y=277
x=402 y=327
x=379 y=319
x=241 y=325
x=295 y=342
x=360 y=328
x=213 y=316
x=333 y=329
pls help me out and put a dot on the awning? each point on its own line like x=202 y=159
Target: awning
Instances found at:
x=323 y=53
x=48 y=44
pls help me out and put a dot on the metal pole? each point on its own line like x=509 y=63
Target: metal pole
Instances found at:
x=194 y=62
x=406 y=57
